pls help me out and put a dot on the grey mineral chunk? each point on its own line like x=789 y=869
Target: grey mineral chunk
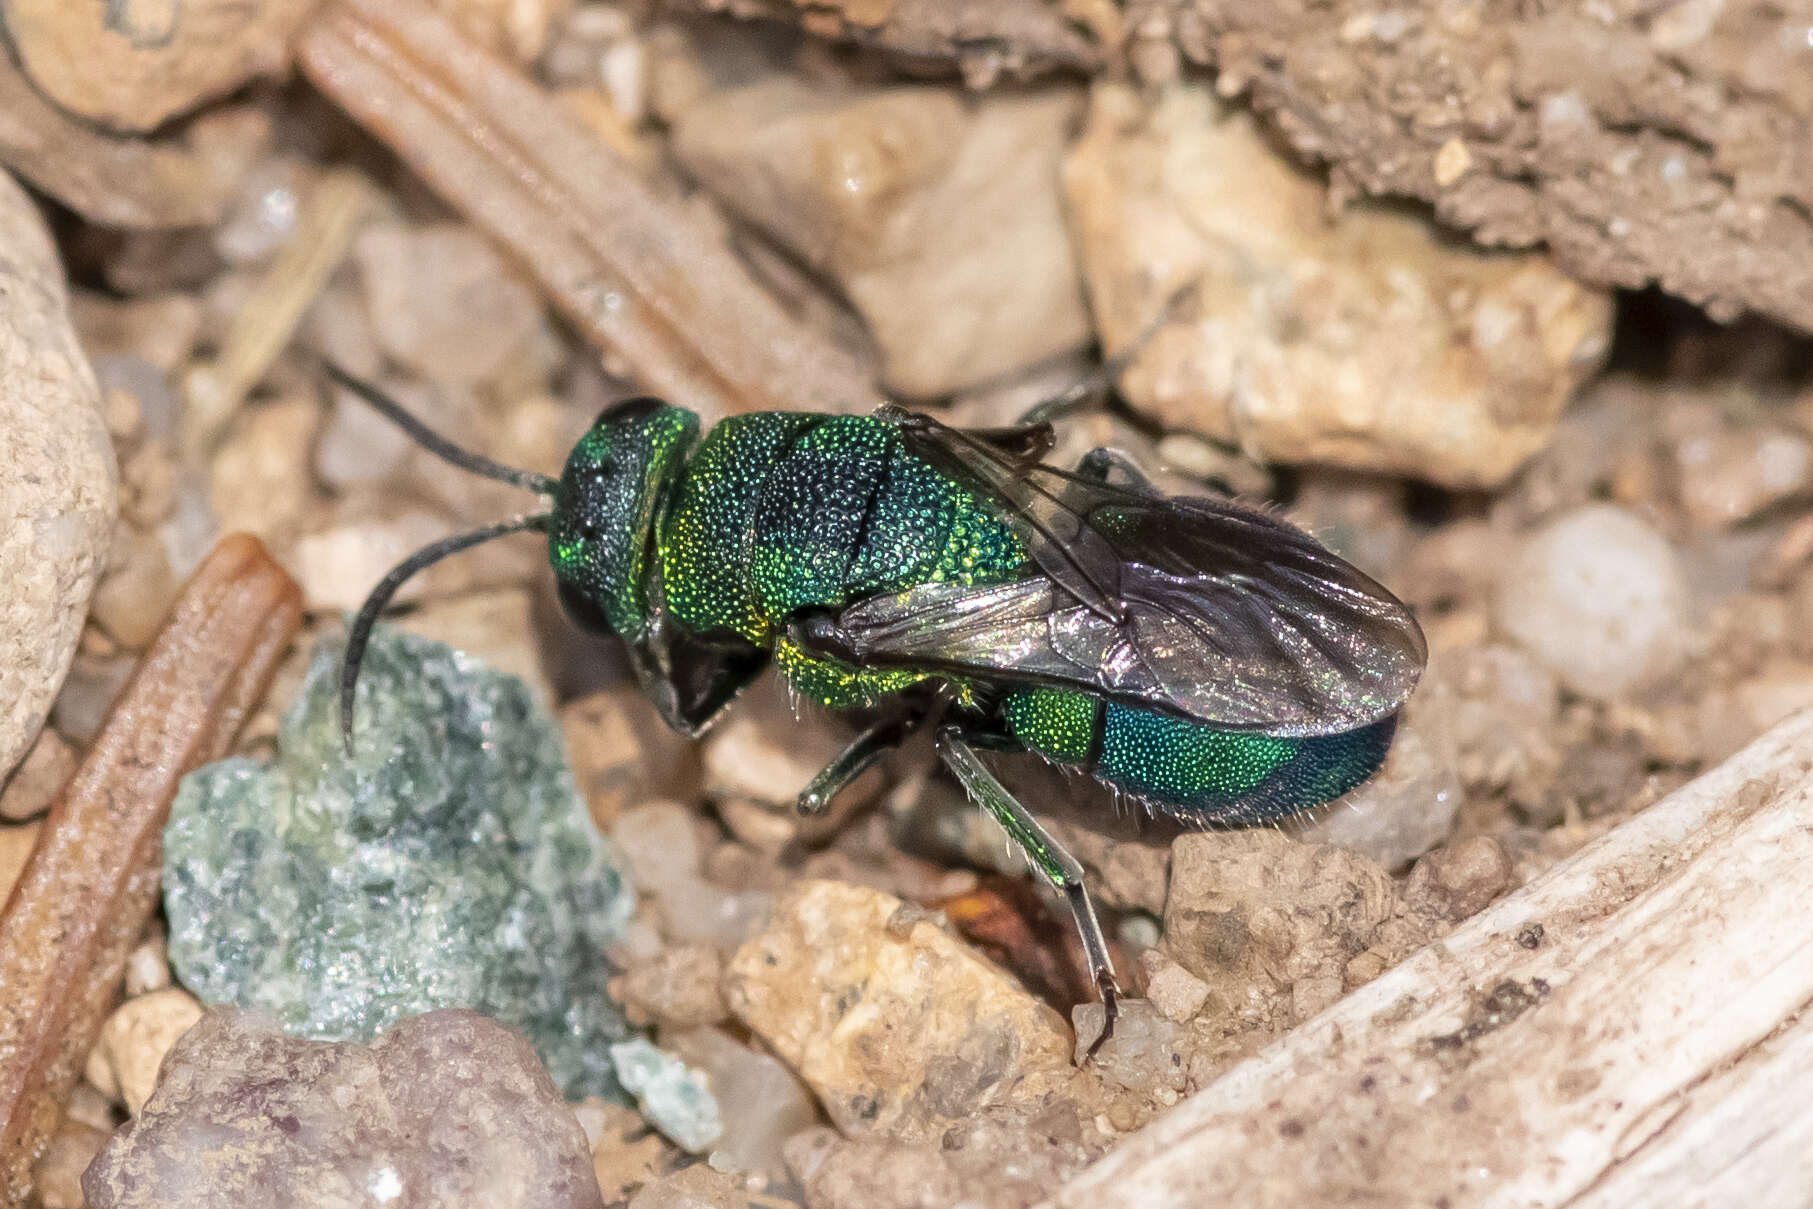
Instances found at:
x=448 y=863
x=447 y=1110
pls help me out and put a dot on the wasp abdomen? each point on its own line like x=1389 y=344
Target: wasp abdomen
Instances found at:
x=1191 y=770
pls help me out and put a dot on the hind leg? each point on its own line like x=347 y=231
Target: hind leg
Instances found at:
x=1048 y=857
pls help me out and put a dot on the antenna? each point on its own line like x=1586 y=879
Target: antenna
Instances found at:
x=437 y=444
x=360 y=634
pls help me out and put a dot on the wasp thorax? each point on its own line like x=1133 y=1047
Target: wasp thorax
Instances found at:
x=601 y=536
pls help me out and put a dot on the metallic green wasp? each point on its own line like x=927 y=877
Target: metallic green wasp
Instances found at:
x=1199 y=655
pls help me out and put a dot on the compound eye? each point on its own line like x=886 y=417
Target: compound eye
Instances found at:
x=624 y=410
x=583 y=611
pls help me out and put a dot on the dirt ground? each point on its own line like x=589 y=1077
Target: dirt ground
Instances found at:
x=1505 y=305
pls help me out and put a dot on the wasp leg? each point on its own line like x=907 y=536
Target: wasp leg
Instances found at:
x=859 y=757
x=1048 y=856
x=1101 y=462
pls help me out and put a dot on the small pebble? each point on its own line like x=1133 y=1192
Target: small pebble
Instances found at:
x=677 y=989
x=623 y=754
x=16 y=843
x=674 y=1098
x=58 y=1171
x=1598 y=597
x=626 y=1153
x=38 y=779
x=763 y=1102
x=148 y=966
x=765 y=753
x=695 y=1187
x=1728 y=473
x=1456 y=882
x=136 y=592
x=661 y=845
x=358 y=445
x=1145 y=1050
x=442 y=301
x=261 y=477
x=1176 y=992
x=134 y=1040
x=88 y=692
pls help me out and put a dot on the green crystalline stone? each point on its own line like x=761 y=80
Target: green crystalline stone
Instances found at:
x=449 y=863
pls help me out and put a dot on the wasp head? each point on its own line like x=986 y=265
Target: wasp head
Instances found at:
x=601 y=536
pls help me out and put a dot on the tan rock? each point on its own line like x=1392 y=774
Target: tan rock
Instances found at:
x=58 y=1171
x=937 y=214
x=626 y=1153
x=133 y=1042
x=443 y=301
x=133 y=66
x=340 y=563
x=623 y=755
x=38 y=778
x=897 y=1026
x=135 y=593
x=1254 y=914
x=1458 y=881
x=261 y=478
x=57 y=477
x=1174 y=991
x=764 y=753
x=676 y=988
x=1364 y=341
x=16 y=843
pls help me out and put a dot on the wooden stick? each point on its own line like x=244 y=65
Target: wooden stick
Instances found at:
x=92 y=883
x=638 y=274
x=1625 y=1030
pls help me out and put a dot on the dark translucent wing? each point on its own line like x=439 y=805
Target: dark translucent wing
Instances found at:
x=1066 y=549
x=1197 y=607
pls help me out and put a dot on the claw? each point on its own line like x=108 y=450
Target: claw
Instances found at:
x=1110 y=991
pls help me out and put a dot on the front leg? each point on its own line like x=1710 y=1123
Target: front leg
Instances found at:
x=861 y=754
x=1048 y=856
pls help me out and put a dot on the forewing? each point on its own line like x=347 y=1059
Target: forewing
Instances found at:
x=1198 y=607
